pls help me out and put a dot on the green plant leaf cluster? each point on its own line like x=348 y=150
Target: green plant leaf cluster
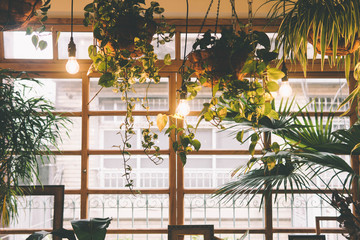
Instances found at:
x=38 y=32
x=244 y=83
x=185 y=142
x=310 y=147
x=29 y=133
x=331 y=26
x=124 y=56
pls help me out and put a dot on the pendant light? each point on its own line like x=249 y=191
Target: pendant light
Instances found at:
x=72 y=66
x=183 y=109
x=285 y=89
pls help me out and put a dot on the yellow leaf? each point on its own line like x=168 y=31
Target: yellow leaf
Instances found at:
x=161 y=121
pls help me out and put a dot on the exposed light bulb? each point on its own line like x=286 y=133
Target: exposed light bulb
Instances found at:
x=285 y=89
x=183 y=108
x=72 y=66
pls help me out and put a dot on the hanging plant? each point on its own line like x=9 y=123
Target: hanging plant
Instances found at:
x=16 y=14
x=242 y=77
x=124 y=56
x=331 y=26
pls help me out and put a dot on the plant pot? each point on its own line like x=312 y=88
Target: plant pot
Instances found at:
x=126 y=29
x=17 y=13
x=217 y=63
x=342 y=49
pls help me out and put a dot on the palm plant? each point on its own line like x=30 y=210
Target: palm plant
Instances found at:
x=28 y=130
x=309 y=150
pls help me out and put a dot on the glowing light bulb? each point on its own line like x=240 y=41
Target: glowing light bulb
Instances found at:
x=183 y=108
x=285 y=89
x=72 y=66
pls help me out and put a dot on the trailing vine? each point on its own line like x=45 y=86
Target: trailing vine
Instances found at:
x=122 y=53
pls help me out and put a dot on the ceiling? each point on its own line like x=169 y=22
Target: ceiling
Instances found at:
x=173 y=8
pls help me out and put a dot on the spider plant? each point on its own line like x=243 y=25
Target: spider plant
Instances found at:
x=332 y=26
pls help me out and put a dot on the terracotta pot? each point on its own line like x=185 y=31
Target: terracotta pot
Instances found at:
x=342 y=49
x=126 y=29
x=17 y=13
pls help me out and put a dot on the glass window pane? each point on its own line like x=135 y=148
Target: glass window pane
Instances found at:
x=71 y=209
x=65 y=94
x=107 y=171
x=162 y=49
x=158 y=96
x=300 y=211
x=61 y=170
x=326 y=93
x=211 y=171
x=105 y=133
x=82 y=40
x=131 y=211
x=19 y=46
x=204 y=209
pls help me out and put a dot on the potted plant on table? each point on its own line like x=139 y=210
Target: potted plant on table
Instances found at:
x=85 y=229
x=28 y=131
x=124 y=56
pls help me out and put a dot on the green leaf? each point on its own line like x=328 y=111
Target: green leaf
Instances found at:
x=183 y=158
x=167 y=59
x=272 y=86
x=42 y=44
x=107 y=80
x=89 y=7
x=273 y=114
x=35 y=40
x=268 y=108
x=196 y=144
x=29 y=31
x=161 y=121
x=240 y=136
x=275 y=74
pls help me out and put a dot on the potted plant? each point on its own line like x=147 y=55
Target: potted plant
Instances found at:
x=214 y=58
x=331 y=26
x=85 y=229
x=124 y=56
x=29 y=131
x=18 y=13
x=242 y=75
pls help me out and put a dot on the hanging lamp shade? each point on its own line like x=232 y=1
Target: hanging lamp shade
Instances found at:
x=17 y=13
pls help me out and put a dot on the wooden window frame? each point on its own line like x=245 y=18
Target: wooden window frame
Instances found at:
x=55 y=68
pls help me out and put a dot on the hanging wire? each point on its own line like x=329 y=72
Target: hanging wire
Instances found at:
x=236 y=18
x=72 y=17
x=250 y=15
x=284 y=68
x=186 y=29
x=204 y=20
x=217 y=16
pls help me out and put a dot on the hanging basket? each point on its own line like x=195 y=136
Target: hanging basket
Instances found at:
x=342 y=48
x=216 y=63
x=128 y=28
x=17 y=13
